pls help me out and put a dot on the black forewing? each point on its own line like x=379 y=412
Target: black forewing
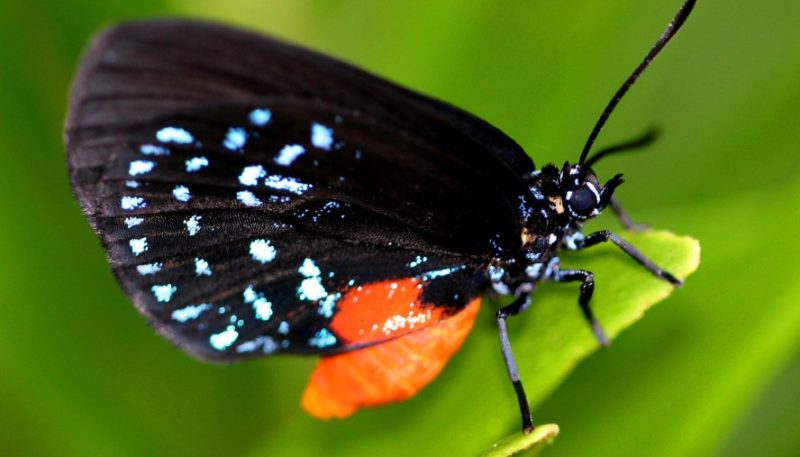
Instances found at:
x=391 y=177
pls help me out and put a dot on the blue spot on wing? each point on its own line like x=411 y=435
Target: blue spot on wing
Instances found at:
x=140 y=167
x=130 y=203
x=248 y=198
x=153 y=150
x=251 y=174
x=133 y=221
x=138 y=245
x=193 y=224
x=262 y=251
x=164 y=292
x=288 y=184
x=322 y=339
x=260 y=117
x=189 y=312
x=321 y=136
x=174 y=135
x=149 y=268
x=224 y=339
x=289 y=154
x=201 y=267
x=196 y=164
x=235 y=139
x=181 y=193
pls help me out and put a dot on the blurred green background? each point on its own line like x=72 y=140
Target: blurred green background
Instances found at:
x=714 y=370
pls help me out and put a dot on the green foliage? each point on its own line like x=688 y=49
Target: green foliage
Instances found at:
x=83 y=375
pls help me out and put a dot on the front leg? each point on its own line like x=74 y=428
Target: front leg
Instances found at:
x=587 y=289
x=635 y=254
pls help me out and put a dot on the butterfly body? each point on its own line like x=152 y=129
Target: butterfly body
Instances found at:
x=256 y=198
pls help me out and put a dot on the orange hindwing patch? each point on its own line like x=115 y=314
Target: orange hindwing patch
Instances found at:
x=391 y=371
x=382 y=311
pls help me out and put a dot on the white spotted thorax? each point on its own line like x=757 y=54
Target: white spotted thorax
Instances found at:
x=558 y=204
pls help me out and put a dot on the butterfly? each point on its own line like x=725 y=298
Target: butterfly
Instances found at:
x=255 y=198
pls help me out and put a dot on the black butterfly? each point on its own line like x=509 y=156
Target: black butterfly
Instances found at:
x=254 y=197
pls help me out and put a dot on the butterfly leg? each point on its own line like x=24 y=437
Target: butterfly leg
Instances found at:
x=624 y=219
x=519 y=305
x=635 y=254
x=587 y=289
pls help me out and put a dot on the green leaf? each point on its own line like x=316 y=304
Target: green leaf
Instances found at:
x=621 y=303
x=697 y=366
x=532 y=442
x=472 y=403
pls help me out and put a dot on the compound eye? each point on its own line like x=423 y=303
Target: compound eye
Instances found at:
x=584 y=200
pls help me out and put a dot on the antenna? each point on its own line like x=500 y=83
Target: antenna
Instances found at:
x=670 y=32
x=640 y=142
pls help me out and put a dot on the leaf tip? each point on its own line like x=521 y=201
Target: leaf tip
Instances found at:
x=534 y=441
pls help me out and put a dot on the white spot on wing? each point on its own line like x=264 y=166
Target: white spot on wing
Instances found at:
x=433 y=274
x=289 y=154
x=163 y=292
x=140 y=167
x=235 y=139
x=201 y=267
x=133 y=221
x=321 y=136
x=189 y=312
x=130 y=203
x=327 y=305
x=309 y=269
x=181 y=193
x=287 y=183
x=260 y=117
x=397 y=322
x=193 y=224
x=251 y=174
x=311 y=289
x=153 y=150
x=174 y=135
x=249 y=294
x=419 y=260
x=149 y=268
x=323 y=338
x=196 y=164
x=224 y=339
x=248 y=198
x=262 y=251
x=262 y=308
x=138 y=245
x=267 y=344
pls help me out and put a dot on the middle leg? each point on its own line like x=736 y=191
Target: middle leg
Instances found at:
x=587 y=289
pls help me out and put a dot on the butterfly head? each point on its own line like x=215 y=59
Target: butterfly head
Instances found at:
x=583 y=195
